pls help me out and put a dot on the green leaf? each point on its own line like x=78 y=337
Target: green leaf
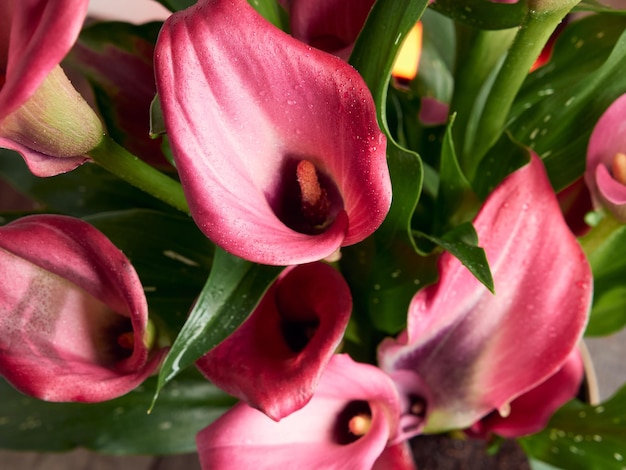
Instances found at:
x=456 y=202
x=583 y=437
x=232 y=291
x=373 y=56
x=173 y=262
x=558 y=105
x=462 y=243
x=506 y=156
x=272 y=12
x=608 y=264
x=86 y=190
x=483 y=14
x=120 y=426
x=437 y=58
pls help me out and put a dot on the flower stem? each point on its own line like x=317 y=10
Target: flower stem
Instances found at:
x=541 y=20
x=479 y=52
x=118 y=161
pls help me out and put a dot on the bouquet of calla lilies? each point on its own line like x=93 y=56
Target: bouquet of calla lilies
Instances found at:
x=306 y=233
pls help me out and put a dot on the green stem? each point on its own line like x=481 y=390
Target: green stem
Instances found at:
x=479 y=52
x=541 y=20
x=117 y=160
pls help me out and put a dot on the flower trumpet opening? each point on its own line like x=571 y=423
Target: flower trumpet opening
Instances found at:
x=307 y=201
x=353 y=422
x=618 y=167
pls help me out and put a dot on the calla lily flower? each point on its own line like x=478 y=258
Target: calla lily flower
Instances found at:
x=42 y=116
x=605 y=174
x=277 y=144
x=273 y=361
x=73 y=314
x=476 y=352
x=531 y=411
x=347 y=425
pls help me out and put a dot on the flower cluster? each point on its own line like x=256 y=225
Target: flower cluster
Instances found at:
x=249 y=201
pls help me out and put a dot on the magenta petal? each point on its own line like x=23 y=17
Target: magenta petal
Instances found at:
x=243 y=103
x=313 y=437
x=607 y=139
x=531 y=411
x=329 y=25
x=396 y=457
x=66 y=298
x=27 y=53
x=274 y=360
x=477 y=352
x=40 y=164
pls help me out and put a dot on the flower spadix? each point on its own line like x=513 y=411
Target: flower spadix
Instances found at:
x=475 y=352
x=605 y=173
x=276 y=143
x=273 y=361
x=42 y=116
x=347 y=425
x=73 y=314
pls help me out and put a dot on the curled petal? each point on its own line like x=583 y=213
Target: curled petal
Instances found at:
x=72 y=311
x=605 y=172
x=274 y=360
x=530 y=412
x=316 y=436
x=477 y=351
x=276 y=143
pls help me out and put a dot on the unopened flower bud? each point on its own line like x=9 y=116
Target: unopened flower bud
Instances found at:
x=55 y=120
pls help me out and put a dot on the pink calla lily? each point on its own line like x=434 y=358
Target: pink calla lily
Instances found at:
x=531 y=411
x=274 y=360
x=73 y=313
x=605 y=174
x=476 y=352
x=347 y=425
x=41 y=115
x=281 y=165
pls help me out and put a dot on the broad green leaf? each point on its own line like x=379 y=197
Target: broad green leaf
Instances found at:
x=480 y=57
x=558 y=105
x=272 y=12
x=608 y=264
x=483 y=14
x=86 y=190
x=506 y=156
x=384 y=276
x=373 y=56
x=120 y=426
x=437 y=58
x=456 y=203
x=583 y=437
x=173 y=262
x=462 y=243
x=232 y=291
